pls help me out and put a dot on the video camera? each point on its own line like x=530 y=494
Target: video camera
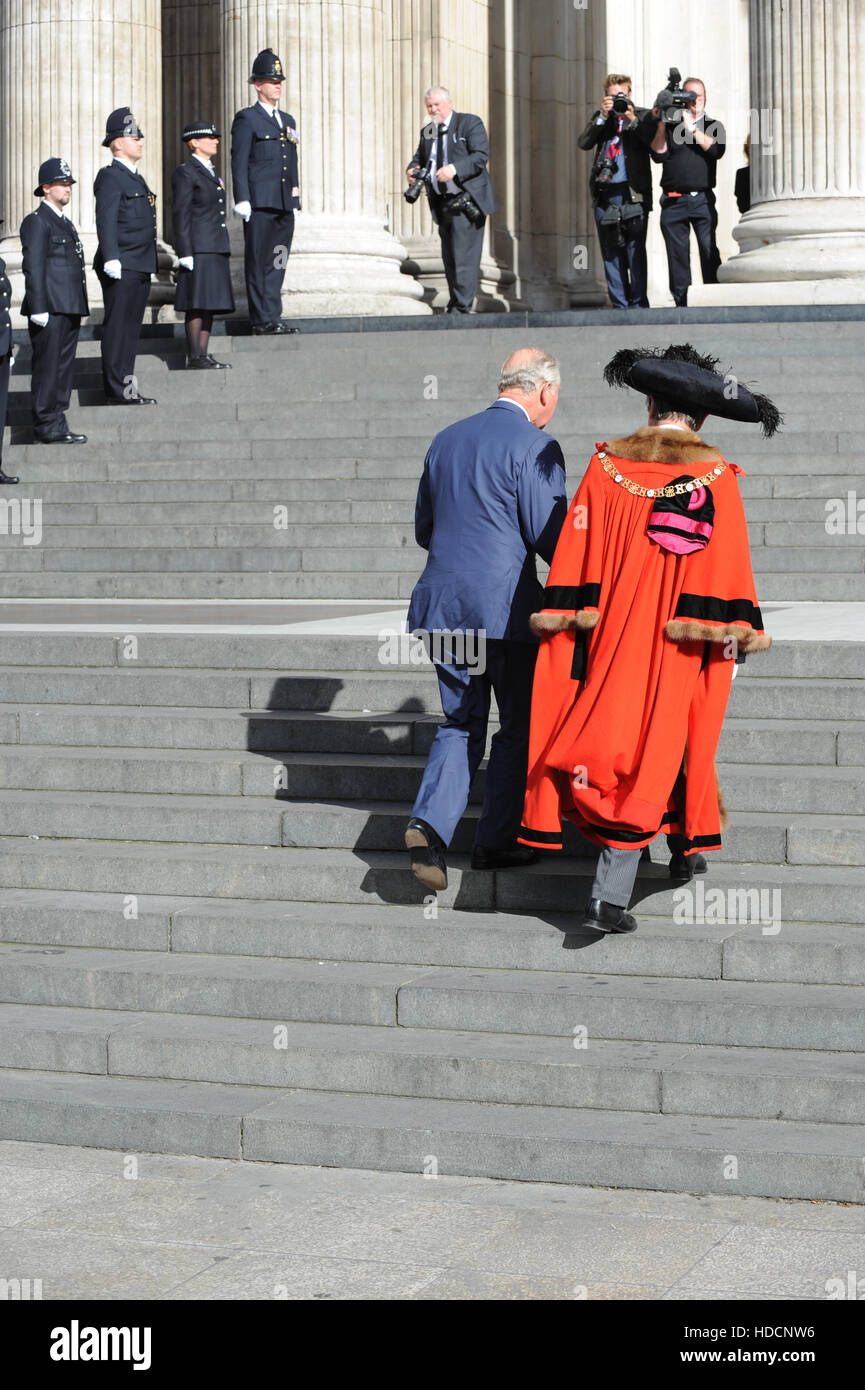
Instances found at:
x=672 y=102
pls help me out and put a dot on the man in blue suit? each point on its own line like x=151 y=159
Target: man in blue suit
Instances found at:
x=492 y=495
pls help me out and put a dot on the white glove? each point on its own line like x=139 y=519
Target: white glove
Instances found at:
x=186 y=262
x=113 y=270
x=243 y=210
x=40 y=320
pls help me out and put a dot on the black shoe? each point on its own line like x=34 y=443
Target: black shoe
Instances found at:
x=131 y=400
x=220 y=366
x=607 y=917
x=67 y=438
x=7 y=478
x=517 y=858
x=427 y=855
x=199 y=364
x=260 y=328
x=283 y=327
x=683 y=867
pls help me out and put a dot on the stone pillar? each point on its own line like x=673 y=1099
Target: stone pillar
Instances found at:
x=191 y=84
x=807 y=218
x=545 y=67
x=64 y=65
x=344 y=260
x=443 y=42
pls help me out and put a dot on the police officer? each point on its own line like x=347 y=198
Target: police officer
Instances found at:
x=126 y=257
x=264 y=172
x=201 y=240
x=5 y=359
x=55 y=300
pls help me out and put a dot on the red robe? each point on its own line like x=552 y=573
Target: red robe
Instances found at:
x=623 y=734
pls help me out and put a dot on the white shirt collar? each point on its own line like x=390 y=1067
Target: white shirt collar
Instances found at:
x=267 y=108
x=203 y=160
x=61 y=212
x=518 y=404
x=119 y=159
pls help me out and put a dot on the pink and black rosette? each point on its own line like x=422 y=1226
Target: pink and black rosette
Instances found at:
x=683 y=523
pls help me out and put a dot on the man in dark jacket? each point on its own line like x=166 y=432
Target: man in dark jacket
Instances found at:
x=621 y=187
x=266 y=193
x=455 y=149
x=689 y=152
x=492 y=495
x=55 y=301
x=5 y=360
x=126 y=256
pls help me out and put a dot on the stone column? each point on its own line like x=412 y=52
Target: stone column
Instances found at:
x=64 y=65
x=344 y=260
x=191 y=83
x=446 y=42
x=807 y=218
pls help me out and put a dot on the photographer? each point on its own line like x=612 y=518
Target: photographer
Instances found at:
x=621 y=187
x=688 y=144
x=451 y=160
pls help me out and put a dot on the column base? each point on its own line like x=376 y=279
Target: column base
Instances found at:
x=497 y=292
x=799 y=239
x=345 y=266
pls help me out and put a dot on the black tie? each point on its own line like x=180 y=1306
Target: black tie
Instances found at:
x=440 y=156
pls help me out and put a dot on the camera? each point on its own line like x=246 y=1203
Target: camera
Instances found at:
x=621 y=102
x=673 y=101
x=464 y=202
x=604 y=171
x=422 y=179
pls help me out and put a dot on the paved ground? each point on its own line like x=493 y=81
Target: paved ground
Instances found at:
x=91 y=1223
x=835 y=622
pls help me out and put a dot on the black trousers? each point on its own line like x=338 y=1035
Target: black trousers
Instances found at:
x=125 y=301
x=5 y=368
x=678 y=216
x=53 y=363
x=462 y=244
x=267 y=238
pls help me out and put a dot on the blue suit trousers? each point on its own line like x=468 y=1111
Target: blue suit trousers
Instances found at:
x=460 y=742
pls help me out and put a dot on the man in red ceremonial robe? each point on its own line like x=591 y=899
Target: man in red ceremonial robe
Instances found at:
x=649 y=603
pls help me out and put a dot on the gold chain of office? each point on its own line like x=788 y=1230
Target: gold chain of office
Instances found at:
x=674 y=489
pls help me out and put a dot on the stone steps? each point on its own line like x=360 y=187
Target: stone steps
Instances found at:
x=178 y=905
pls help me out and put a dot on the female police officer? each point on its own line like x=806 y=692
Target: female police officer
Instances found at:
x=201 y=239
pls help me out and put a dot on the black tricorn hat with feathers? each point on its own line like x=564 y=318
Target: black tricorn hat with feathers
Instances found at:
x=689 y=380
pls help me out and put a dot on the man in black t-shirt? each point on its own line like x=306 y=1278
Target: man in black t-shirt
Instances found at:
x=689 y=152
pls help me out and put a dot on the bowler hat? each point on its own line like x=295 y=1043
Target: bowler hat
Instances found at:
x=121 y=123
x=53 y=170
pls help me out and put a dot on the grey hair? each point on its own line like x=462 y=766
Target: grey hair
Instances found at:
x=437 y=91
x=531 y=375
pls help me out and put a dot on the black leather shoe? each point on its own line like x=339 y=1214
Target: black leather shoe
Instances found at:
x=131 y=400
x=516 y=858
x=427 y=855
x=284 y=328
x=67 y=438
x=7 y=478
x=684 y=866
x=261 y=328
x=607 y=918
x=220 y=366
x=199 y=364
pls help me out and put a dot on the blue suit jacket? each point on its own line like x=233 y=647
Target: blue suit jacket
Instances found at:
x=492 y=494
x=264 y=159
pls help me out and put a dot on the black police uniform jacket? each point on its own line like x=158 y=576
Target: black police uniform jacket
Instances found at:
x=264 y=159
x=5 y=320
x=53 y=265
x=125 y=220
x=199 y=211
x=468 y=150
